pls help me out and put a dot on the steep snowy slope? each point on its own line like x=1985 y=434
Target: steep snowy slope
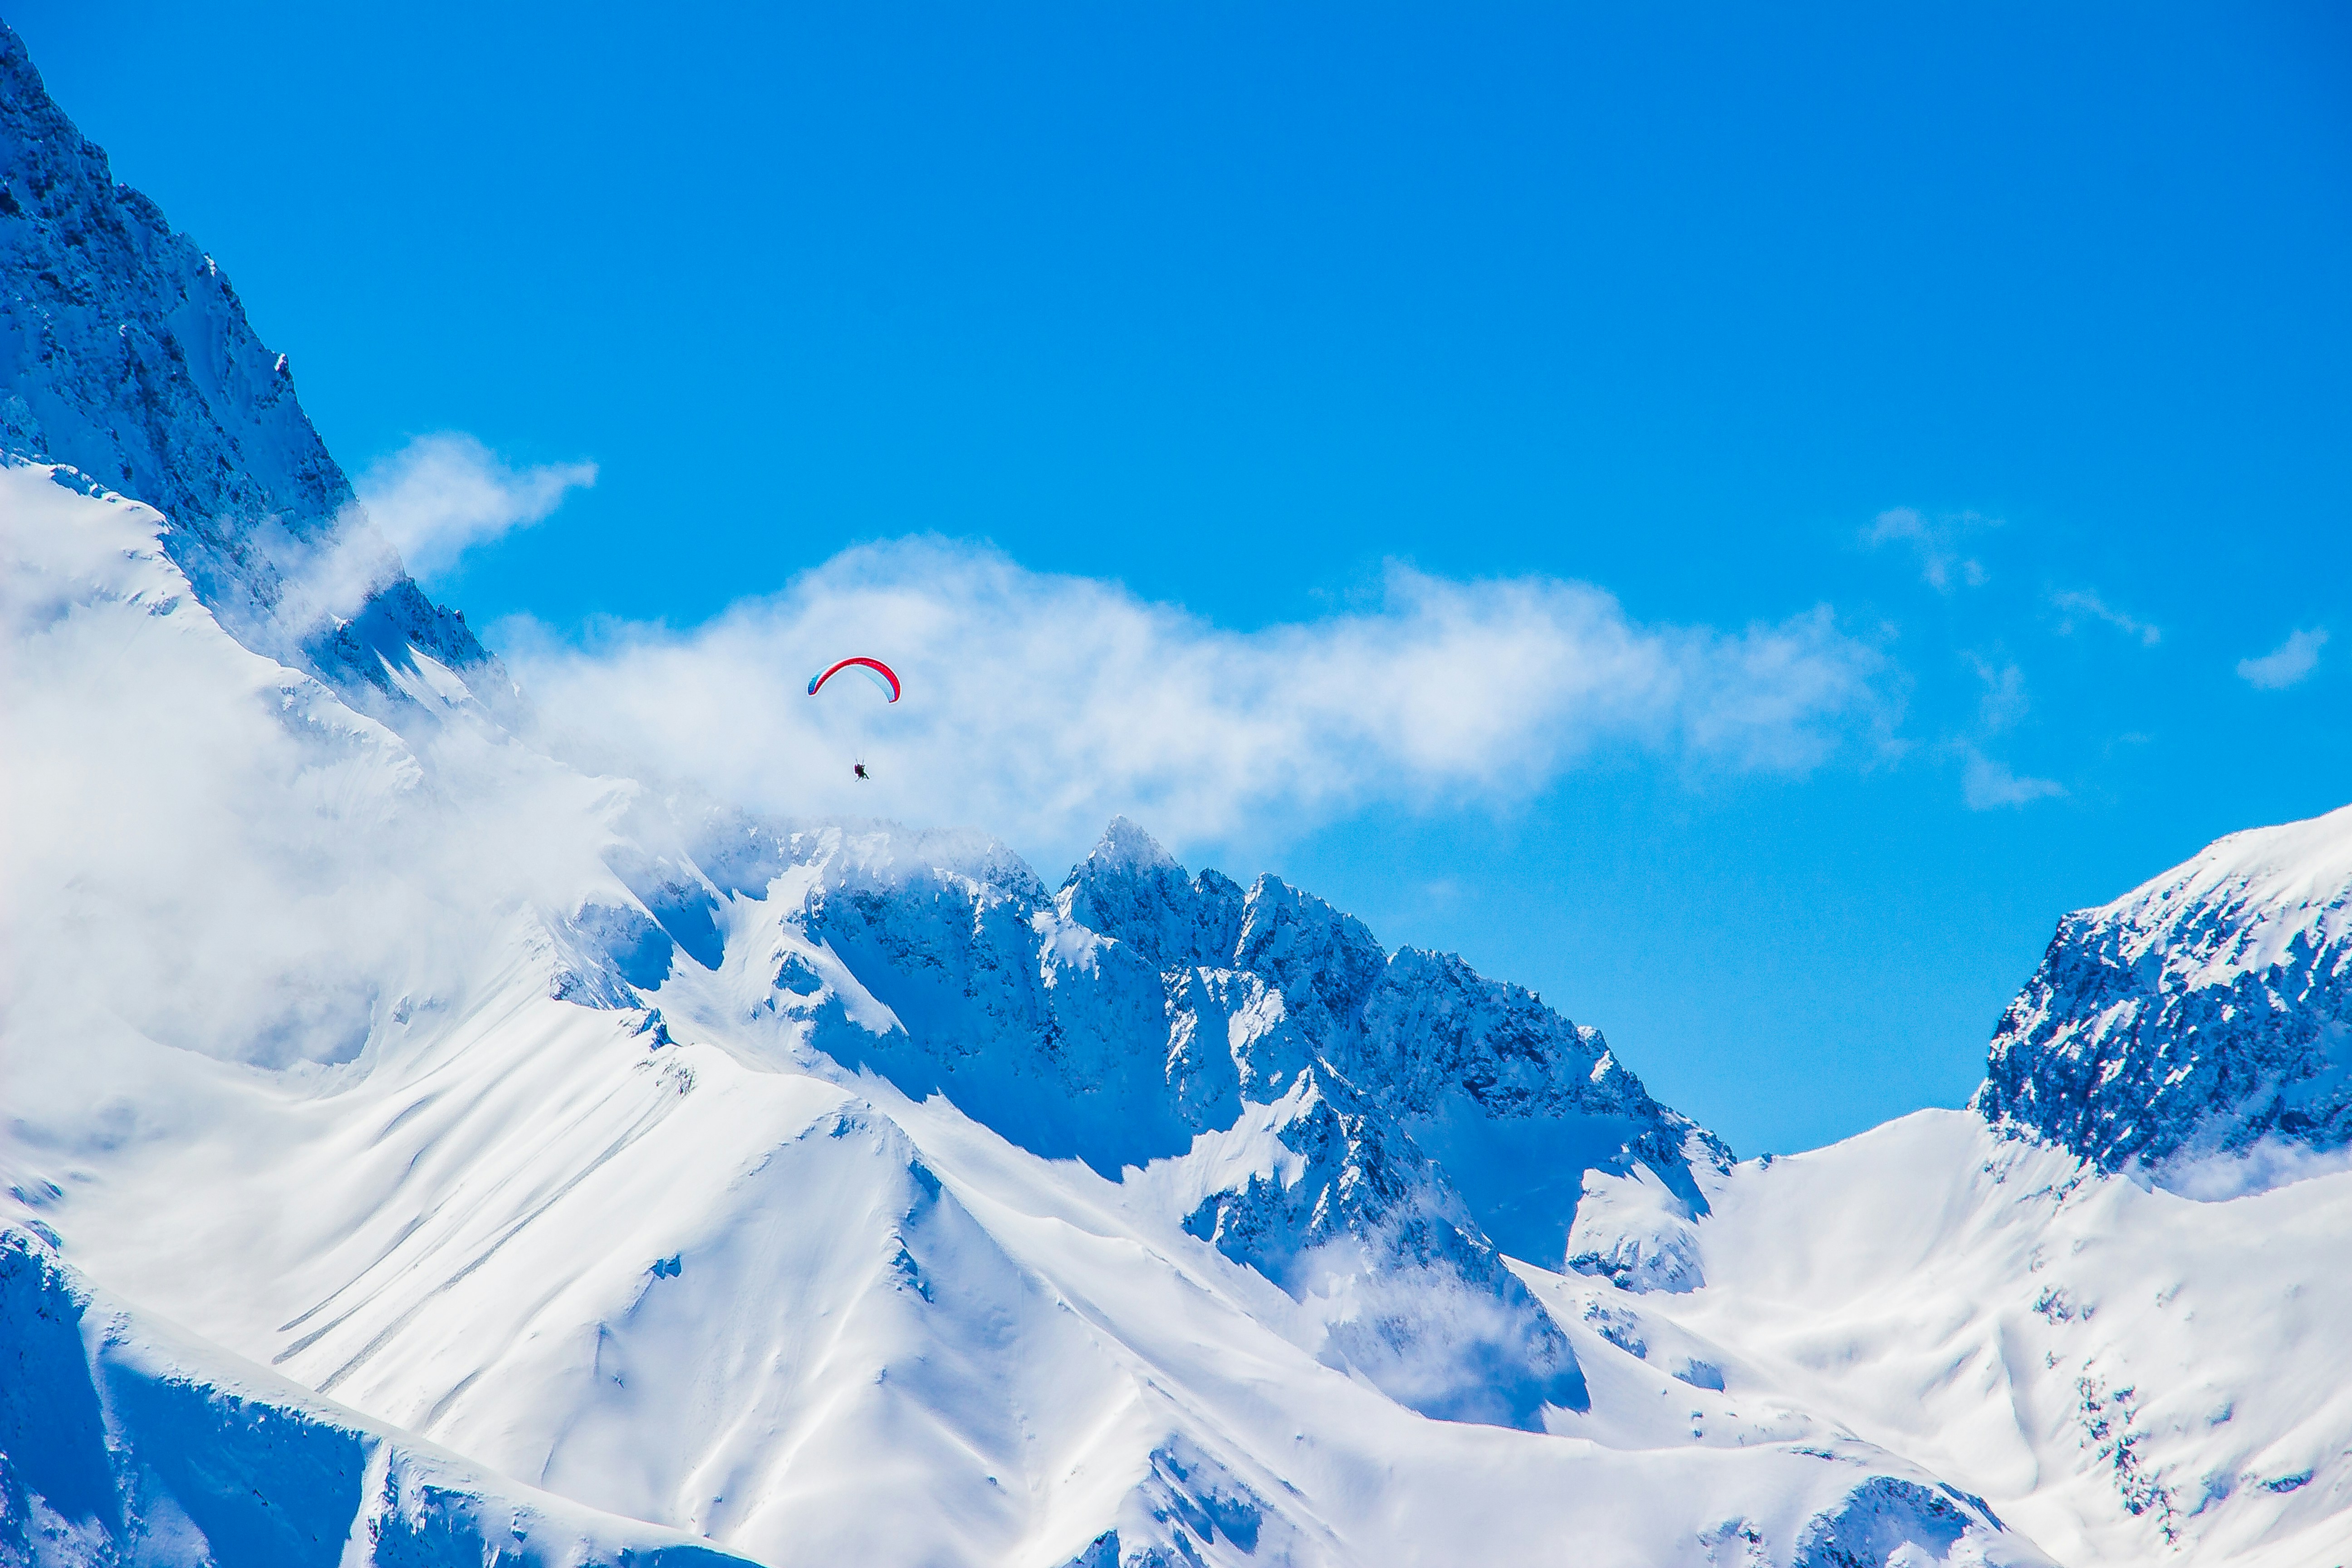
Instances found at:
x=123 y=1441
x=2209 y=1011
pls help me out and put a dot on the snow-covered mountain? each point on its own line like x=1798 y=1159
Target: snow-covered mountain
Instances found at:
x=2207 y=1012
x=607 y=1176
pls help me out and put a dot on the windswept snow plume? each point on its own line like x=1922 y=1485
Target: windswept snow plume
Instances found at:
x=441 y=495
x=417 y=512
x=1034 y=701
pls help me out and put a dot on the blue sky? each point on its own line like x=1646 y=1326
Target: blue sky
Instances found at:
x=2022 y=341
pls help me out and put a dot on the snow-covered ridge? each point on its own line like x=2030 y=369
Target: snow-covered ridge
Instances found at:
x=1295 y=1075
x=2207 y=1012
x=126 y=354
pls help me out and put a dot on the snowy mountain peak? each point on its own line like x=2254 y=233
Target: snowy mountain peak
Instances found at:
x=1124 y=846
x=2207 y=1011
x=1132 y=890
x=127 y=355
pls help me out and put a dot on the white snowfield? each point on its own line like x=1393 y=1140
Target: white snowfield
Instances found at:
x=346 y=1052
x=2126 y=1375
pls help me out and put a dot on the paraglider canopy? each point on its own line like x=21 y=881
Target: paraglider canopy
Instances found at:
x=873 y=669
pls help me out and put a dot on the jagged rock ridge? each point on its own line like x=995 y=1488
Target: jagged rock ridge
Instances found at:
x=1262 y=1042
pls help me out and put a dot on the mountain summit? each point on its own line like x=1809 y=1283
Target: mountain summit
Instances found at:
x=2207 y=1012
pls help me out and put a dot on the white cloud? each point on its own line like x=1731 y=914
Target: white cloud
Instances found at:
x=2004 y=702
x=2285 y=664
x=1038 y=705
x=1935 y=542
x=441 y=495
x=1987 y=786
x=2084 y=603
x=228 y=860
x=418 y=511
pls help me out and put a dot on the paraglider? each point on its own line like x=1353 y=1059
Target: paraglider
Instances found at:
x=873 y=669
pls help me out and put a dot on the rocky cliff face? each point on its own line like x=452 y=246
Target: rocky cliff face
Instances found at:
x=126 y=354
x=2207 y=1011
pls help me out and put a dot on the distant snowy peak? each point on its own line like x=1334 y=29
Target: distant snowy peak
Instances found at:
x=2207 y=1011
x=127 y=355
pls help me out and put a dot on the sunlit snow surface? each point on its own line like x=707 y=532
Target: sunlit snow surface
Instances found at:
x=2125 y=1374
x=326 y=1050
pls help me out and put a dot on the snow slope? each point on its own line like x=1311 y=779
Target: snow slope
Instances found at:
x=120 y=1439
x=2124 y=1373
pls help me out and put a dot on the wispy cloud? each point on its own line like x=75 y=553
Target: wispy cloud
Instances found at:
x=2004 y=702
x=2075 y=605
x=1935 y=542
x=441 y=495
x=1038 y=704
x=2285 y=664
x=1988 y=785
